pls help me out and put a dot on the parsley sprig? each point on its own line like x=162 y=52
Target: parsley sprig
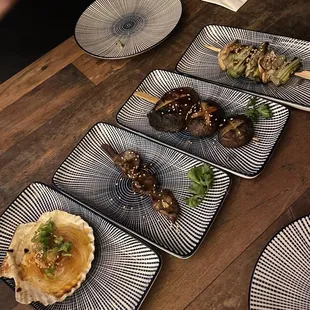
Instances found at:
x=202 y=180
x=254 y=110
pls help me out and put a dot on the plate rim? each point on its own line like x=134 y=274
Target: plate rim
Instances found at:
x=160 y=260
x=227 y=170
x=263 y=250
x=131 y=55
x=136 y=234
x=291 y=104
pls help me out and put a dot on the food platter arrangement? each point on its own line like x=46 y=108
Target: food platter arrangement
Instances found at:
x=161 y=179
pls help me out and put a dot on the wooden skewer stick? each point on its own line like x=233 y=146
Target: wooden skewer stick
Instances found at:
x=213 y=48
x=146 y=97
x=302 y=74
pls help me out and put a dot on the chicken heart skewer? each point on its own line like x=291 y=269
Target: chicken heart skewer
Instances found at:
x=144 y=182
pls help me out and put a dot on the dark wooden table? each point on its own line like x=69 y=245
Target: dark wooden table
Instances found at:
x=48 y=107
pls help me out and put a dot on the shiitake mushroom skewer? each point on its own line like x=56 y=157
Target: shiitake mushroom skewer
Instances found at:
x=258 y=64
x=235 y=131
x=144 y=182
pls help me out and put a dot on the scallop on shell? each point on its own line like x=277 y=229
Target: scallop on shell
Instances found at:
x=20 y=262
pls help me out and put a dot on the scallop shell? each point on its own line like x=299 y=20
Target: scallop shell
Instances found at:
x=26 y=292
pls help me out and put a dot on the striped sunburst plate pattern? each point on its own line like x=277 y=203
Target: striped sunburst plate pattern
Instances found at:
x=125 y=28
x=201 y=62
x=247 y=161
x=122 y=271
x=89 y=175
x=281 y=279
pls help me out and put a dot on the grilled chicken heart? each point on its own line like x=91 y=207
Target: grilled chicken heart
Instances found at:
x=128 y=161
x=144 y=183
x=165 y=203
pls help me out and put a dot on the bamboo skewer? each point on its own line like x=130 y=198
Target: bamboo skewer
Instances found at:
x=213 y=48
x=146 y=97
x=302 y=74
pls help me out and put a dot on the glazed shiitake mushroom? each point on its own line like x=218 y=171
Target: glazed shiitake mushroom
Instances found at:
x=169 y=113
x=204 y=119
x=236 y=131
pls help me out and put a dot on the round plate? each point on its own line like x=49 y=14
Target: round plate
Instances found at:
x=125 y=28
x=281 y=278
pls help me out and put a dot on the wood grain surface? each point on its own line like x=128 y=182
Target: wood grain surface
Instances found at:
x=45 y=112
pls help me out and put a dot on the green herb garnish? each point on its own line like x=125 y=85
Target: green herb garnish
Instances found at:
x=120 y=44
x=202 y=177
x=254 y=111
x=49 y=271
x=64 y=247
x=44 y=235
x=51 y=245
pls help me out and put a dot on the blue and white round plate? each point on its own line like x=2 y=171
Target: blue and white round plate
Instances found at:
x=281 y=279
x=125 y=28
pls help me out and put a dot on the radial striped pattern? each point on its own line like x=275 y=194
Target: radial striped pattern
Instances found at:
x=123 y=269
x=89 y=175
x=247 y=161
x=201 y=62
x=124 y=28
x=281 y=279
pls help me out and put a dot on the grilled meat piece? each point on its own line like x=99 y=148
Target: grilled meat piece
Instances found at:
x=145 y=183
x=128 y=161
x=226 y=52
x=233 y=58
x=252 y=68
x=165 y=203
x=258 y=64
x=204 y=119
x=237 y=131
x=169 y=113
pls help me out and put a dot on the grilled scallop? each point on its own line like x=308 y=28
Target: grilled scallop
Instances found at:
x=49 y=259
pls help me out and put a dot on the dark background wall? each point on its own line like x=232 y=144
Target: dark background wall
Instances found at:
x=34 y=27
